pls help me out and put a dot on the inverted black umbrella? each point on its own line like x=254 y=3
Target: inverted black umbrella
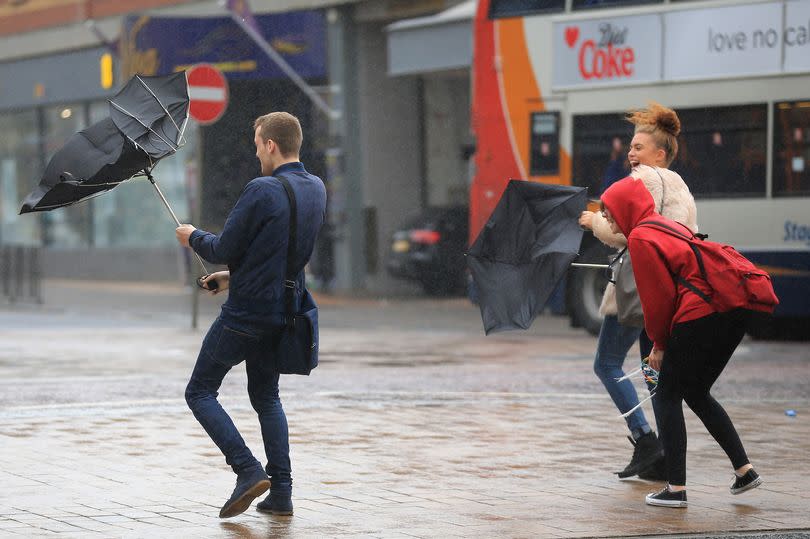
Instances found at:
x=91 y=162
x=153 y=112
x=524 y=250
x=147 y=119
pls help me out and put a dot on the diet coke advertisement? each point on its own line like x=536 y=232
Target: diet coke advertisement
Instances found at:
x=604 y=52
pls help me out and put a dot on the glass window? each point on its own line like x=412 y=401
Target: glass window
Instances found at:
x=791 y=156
x=589 y=4
x=20 y=172
x=515 y=8
x=69 y=226
x=545 y=144
x=130 y=215
x=722 y=150
x=600 y=151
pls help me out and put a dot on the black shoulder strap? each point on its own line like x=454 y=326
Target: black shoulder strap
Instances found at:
x=292 y=249
x=618 y=256
x=698 y=255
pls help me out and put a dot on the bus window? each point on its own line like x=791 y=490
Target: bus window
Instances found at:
x=515 y=8
x=600 y=150
x=545 y=144
x=588 y=4
x=791 y=156
x=722 y=150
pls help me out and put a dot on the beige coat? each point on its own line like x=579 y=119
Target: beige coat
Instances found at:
x=678 y=205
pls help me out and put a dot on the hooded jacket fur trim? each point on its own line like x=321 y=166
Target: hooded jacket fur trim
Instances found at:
x=678 y=205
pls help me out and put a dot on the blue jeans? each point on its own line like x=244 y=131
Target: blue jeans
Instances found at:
x=227 y=344
x=614 y=342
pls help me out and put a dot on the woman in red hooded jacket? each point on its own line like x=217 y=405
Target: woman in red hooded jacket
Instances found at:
x=692 y=343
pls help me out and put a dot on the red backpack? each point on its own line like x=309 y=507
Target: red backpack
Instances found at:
x=735 y=281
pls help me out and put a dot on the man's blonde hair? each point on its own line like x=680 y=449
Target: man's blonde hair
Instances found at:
x=282 y=128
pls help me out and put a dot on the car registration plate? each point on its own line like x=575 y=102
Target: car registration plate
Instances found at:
x=401 y=246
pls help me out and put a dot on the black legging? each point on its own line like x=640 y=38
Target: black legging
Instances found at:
x=696 y=354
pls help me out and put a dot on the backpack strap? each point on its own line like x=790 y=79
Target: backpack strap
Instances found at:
x=292 y=251
x=672 y=231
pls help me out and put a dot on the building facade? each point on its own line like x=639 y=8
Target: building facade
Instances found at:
x=58 y=67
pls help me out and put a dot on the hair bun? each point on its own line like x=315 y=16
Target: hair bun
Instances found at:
x=658 y=116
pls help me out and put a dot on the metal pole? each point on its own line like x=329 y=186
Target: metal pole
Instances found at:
x=177 y=221
x=17 y=260
x=597 y=266
x=284 y=66
x=6 y=254
x=36 y=274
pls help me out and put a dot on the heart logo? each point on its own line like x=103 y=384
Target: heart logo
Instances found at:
x=571 y=35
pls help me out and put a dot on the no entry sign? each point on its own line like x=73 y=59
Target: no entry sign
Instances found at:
x=208 y=92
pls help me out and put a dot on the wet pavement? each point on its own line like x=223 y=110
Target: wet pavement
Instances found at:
x=414 y=425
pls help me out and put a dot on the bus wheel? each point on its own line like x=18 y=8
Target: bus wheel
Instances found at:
x=584 y=295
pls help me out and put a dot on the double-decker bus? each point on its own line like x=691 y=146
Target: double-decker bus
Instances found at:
x=552 y=80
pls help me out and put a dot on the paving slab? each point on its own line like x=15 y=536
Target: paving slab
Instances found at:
x=414 y=425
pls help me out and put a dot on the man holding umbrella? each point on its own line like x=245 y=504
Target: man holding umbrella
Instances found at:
x=253 y=244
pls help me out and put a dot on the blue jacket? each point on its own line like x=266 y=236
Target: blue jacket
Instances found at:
x=253 y=242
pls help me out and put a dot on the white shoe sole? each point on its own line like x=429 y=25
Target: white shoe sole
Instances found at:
x=753 y=484
x=665 y=503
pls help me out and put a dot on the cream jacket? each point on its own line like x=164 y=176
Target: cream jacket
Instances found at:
x=678 y=205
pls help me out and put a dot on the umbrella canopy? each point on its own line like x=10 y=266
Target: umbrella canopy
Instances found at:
x=153 y=112
x=91 y=161
x=524 y=250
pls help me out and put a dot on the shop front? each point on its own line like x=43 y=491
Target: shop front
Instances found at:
x=127 y=233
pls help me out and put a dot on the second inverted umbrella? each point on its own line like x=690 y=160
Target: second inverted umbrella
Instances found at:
x=524 y=250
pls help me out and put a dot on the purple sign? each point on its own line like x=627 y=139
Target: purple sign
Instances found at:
x=162 y=45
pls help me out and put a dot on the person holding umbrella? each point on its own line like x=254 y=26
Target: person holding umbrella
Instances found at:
x=693 y=335
x=253 y=243
x=652 y=151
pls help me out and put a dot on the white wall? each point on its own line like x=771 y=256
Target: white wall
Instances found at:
x=447 y=127
x=389 y=127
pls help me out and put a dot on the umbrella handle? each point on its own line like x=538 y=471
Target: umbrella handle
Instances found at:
x=176 y=221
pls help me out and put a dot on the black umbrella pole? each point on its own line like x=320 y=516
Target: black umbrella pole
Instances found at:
x=176 y=220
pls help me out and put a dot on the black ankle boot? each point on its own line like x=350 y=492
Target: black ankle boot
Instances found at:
x=657 y=471
x=276 y=505
x=249 y=486
x=646 y=451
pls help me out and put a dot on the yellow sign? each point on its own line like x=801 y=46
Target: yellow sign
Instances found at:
x=106 y=68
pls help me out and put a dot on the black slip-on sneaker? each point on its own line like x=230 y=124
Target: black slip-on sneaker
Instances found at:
x=667 y=498
x=750 y=480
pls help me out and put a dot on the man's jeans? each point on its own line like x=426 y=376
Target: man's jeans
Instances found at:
x=227 y=344
x=614 y=342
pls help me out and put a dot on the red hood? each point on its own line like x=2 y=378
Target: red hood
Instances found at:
x=629 y=202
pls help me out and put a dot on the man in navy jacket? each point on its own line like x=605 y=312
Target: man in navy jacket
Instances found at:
x=253 y=244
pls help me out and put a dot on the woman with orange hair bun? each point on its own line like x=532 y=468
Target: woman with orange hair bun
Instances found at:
x=652 y=150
